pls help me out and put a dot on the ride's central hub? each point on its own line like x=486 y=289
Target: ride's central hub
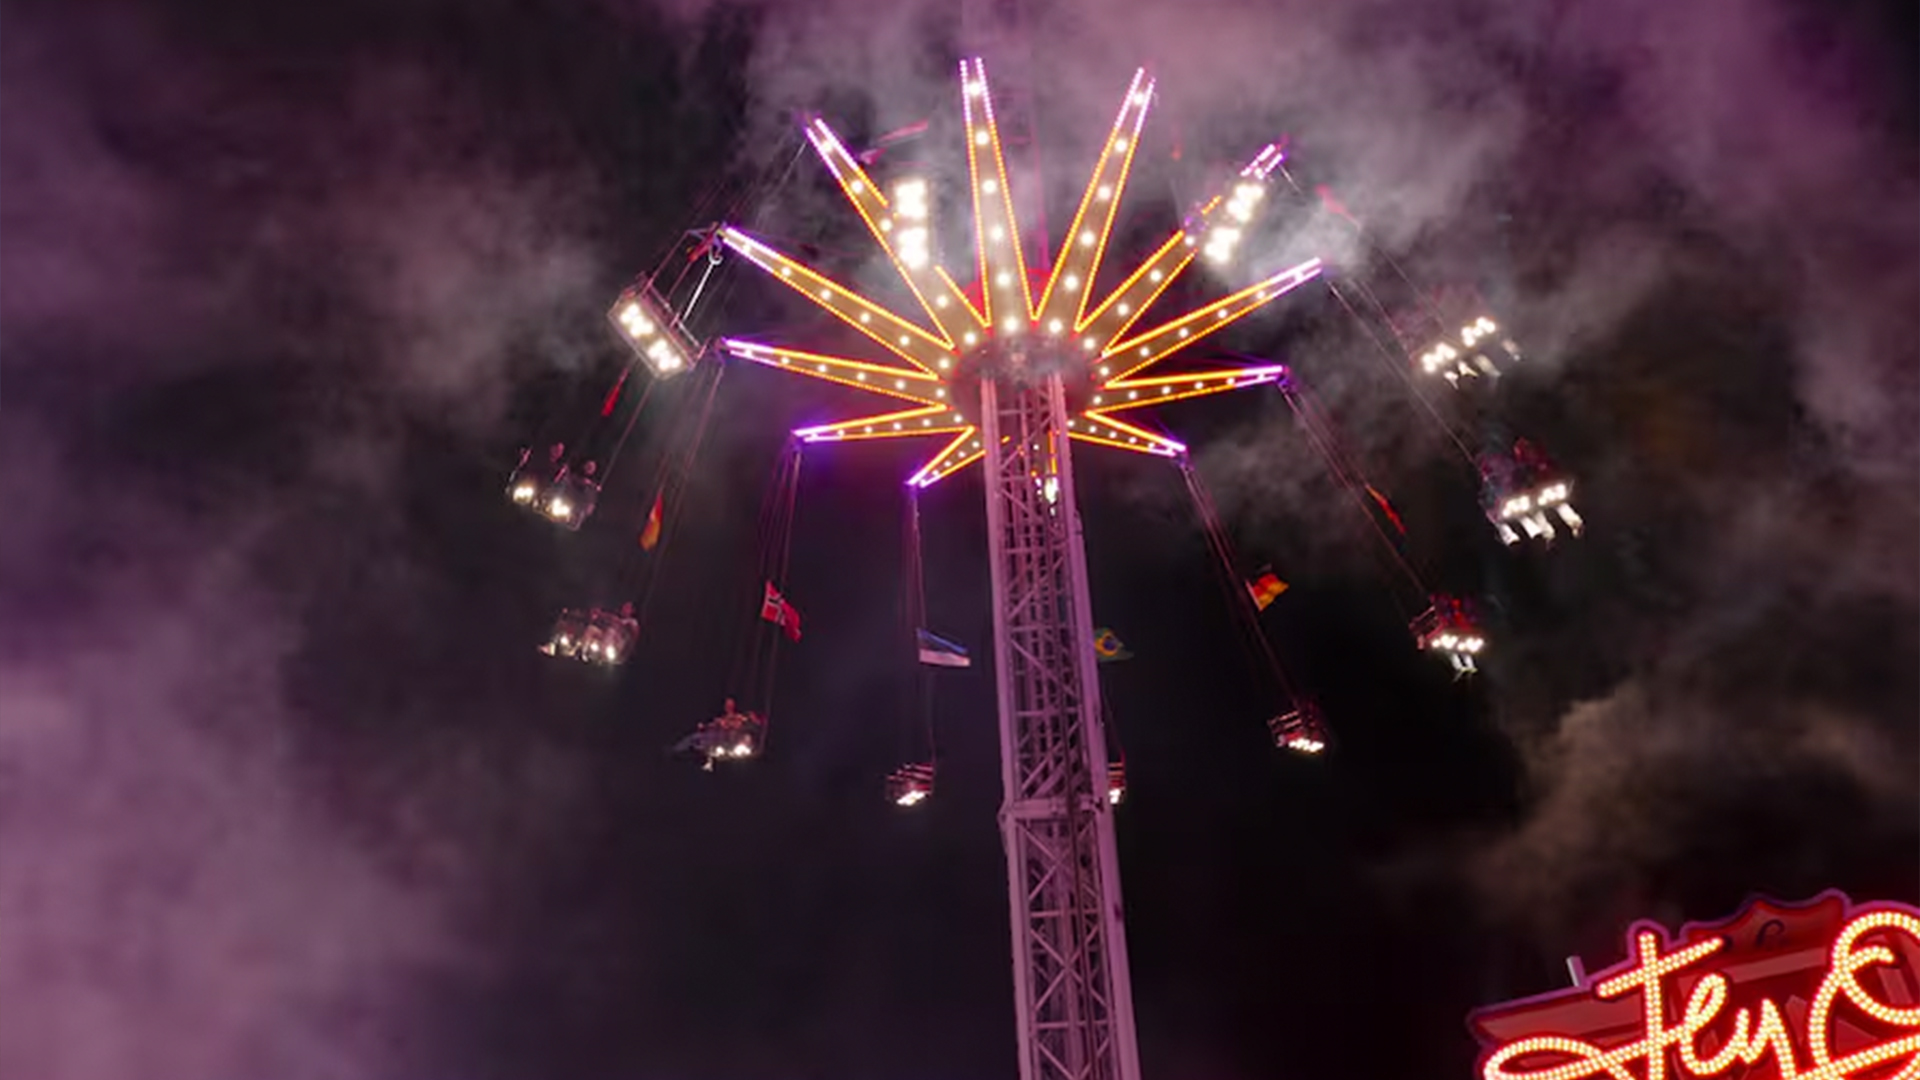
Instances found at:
x=1023 y=358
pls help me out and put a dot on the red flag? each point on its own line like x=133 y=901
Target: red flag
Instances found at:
x=709 y=244
x=613 y=395
x=775 y=609
x=1335 y=206
x=903 y=134
x=650 y=535
x=1387 y=509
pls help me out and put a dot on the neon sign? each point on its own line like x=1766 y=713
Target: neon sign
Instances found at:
x=1824 y=990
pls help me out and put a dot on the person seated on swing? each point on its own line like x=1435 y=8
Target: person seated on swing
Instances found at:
x=731 y=734
x=534 y=485
x=739 y=731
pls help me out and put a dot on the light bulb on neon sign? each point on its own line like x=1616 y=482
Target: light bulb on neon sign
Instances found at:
x=1824 y=990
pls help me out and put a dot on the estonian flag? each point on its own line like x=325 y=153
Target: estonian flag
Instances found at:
x=940 y=652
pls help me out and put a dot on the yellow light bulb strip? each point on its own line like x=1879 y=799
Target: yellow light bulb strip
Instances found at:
x=1120 y=394
x=1144 y=349
x=1124 y=306
x=1003 y=267
x=964 y=450
x=882 y=222
x=1095 y=426
x=912 y=385
x=900 y=337
x=1065 y=297
x=934 y=419
x=959 y=294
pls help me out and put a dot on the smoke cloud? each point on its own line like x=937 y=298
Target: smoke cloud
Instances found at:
x=232 y=299
x=1713 y=271
x=242 y=300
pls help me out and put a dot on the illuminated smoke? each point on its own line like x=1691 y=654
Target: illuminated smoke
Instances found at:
x=1717 y=254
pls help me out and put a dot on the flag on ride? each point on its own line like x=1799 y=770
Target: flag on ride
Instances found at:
x=1334 y=205
x=1387 y=508
x=940 y=652
x=650 y=534
x=613 y=395
x=1265 y=588
x=879 y=147
x=775 y=609
x=1107 y=646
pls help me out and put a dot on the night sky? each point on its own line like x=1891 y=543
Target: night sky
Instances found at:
x=286 y=792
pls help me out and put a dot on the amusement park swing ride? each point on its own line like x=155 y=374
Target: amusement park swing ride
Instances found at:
x=1014 y=371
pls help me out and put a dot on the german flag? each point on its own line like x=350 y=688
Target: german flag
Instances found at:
x=1265 y=588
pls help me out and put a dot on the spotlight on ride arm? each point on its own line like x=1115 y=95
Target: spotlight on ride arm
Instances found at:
x=649 y=328
x=912 y=235
x=1469 y=352
x=1227 y=223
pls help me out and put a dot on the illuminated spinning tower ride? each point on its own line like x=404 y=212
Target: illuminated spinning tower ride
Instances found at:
x=1012 y=379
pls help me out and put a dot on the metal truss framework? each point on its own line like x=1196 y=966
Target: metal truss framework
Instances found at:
x=1071 y=983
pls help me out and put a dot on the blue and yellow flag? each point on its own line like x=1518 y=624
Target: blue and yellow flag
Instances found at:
x=1108 y=647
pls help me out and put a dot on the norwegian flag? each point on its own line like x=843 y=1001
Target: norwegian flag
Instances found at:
x=775 y=609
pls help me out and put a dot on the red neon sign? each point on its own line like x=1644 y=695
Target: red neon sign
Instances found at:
x=1824 y=990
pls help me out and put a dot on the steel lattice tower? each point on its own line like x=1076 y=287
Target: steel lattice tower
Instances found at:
x=1072 y=990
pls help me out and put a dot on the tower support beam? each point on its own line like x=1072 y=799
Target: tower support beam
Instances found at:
x=1073 y=993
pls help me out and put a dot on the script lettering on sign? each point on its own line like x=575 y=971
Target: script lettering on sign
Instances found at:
x=1825 y=990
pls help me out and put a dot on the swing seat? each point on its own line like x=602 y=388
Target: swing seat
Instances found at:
x=569 y=634
x=1304 y=730
x=569 y=501
x=608 y=637
x=726 y=738
x=910 y=785
x=1116 y=783
x=1446 y=627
